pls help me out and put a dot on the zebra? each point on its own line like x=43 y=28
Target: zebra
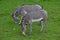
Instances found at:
x=34 y=16
x=24 y=9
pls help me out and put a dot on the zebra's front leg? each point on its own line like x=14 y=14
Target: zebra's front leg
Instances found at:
x=24 y=30
x=30 y=29
x=21 y=20
x=30 y=23
x=23 y=26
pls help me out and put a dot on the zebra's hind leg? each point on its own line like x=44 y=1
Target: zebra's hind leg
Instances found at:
x=41 y=23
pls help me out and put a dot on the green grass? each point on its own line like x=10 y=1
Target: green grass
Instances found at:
x=7 y=25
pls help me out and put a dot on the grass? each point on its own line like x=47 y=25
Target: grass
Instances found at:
x=11 y=31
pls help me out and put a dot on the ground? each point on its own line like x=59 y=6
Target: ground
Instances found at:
x=11 y=31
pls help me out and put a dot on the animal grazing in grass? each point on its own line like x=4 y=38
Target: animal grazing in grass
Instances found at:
x=30 y=13
x=34 y=16
x=24 y=9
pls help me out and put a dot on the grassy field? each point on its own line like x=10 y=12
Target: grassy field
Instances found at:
x=11 y=31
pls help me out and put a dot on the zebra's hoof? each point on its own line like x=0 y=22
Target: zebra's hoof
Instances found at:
x=23 y=33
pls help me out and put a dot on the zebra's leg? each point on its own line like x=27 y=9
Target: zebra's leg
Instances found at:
x=41 y=23
x=46 y=24
x=23 y=26
x=21 y=20
x=30 y=23
x=24 y=30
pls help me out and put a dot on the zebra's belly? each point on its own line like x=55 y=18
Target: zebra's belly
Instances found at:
x=36 y=20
